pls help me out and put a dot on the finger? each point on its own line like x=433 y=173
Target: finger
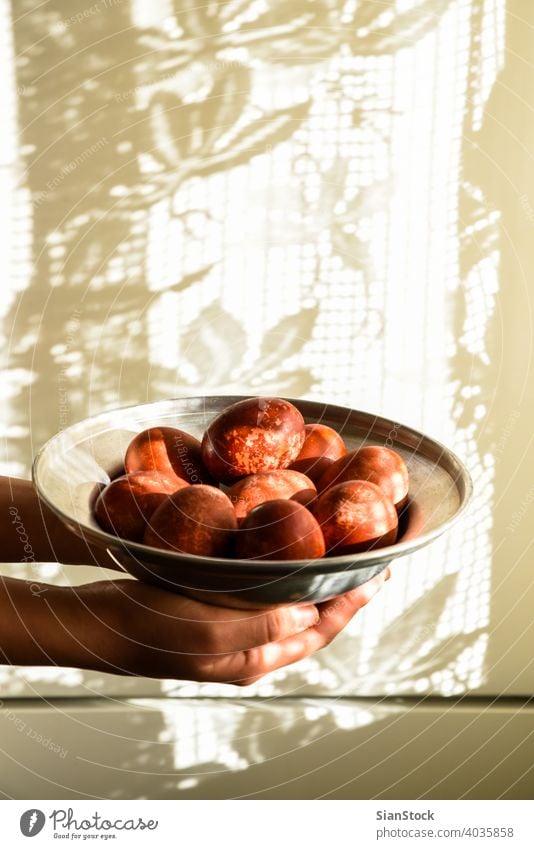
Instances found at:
x=233 y=631
x=246 y=667
x=277 y=624
x=213 y=630
x=337 y=612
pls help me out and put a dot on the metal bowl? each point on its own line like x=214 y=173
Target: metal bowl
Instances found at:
x=72 y=467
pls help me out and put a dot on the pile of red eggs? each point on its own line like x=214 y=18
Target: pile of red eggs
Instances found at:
x=291 y=491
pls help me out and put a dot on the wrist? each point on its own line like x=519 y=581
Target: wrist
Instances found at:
x=93 y=629
x=104 y=630
x=33 y=622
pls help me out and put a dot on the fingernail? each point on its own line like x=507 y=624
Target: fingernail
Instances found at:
x=305 y=617
x=388 y=574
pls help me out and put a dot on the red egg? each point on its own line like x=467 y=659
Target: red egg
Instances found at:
x=374 y=463
x=322 y=445
x=168 y=450
x=268 y=486
x=355 y=516
x=307 y=497
x=126 y=504
x=313 y=467
x=279 y=530
x=251 y=436
x=195 y=520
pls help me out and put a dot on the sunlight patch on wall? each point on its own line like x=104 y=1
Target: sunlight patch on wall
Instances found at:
x=364 y=221
x=301 y=224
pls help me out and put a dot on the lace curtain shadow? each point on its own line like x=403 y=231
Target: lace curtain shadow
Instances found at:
x=243 y=197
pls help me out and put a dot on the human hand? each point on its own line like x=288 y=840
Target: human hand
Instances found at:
x=158 y=634
x=130 y=628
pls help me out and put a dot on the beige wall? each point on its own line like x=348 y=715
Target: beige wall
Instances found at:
x=336 y=207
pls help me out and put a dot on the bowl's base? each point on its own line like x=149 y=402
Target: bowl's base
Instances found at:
x=254 y=594
x=237 y=601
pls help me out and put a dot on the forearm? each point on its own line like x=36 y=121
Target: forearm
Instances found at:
x=32 y=533
x=45 y=625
